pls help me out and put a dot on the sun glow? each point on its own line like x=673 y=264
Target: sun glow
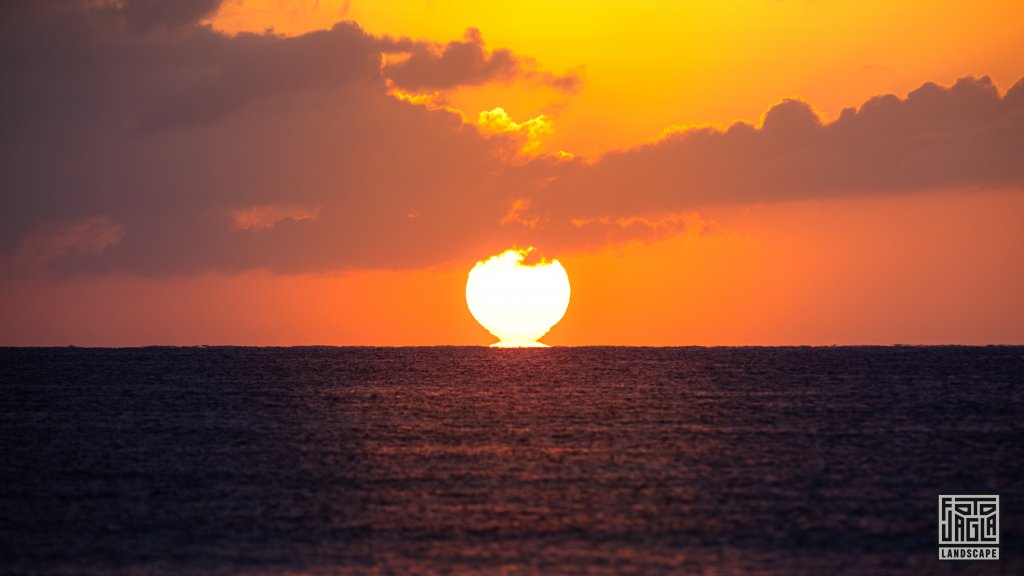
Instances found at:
x=516 y=302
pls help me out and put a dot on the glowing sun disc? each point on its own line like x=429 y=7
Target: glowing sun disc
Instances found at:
x=516 y=302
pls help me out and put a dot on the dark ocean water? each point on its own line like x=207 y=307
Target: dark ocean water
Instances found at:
x=473 y=460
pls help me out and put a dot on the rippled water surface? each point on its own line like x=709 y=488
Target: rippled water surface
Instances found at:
x=472 y=460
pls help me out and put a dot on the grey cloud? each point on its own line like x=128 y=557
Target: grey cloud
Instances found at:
x=162 y=137
x=147 y=15
x=167 y=134
x=468 y=62
x=251 y=67
x=936 y=138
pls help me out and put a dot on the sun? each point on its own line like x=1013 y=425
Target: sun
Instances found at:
x=517 y=302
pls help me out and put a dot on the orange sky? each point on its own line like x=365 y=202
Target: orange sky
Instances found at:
x=840 y=272
x=231 y=210
x=650 y=65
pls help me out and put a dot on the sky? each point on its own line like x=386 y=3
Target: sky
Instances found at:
x=274 y=172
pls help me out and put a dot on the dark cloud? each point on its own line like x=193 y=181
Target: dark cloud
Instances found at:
x=147 y=15
x=964 y=136
x=250 y=67
x=468 y=62
x=180 y=150
x=51 y=18
x=166 y=135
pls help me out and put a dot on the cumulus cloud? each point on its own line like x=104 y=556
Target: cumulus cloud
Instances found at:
x=527 y=134
x=169 y=131
x=964 y=136
x=211 y=152
x=468 y=62
x=147 y=15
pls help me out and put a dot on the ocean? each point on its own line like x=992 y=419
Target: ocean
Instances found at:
x=453 y=460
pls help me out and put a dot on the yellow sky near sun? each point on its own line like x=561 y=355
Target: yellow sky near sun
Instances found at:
x=650 y=65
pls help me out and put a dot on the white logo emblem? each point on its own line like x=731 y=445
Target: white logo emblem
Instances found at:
x=969 y=527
